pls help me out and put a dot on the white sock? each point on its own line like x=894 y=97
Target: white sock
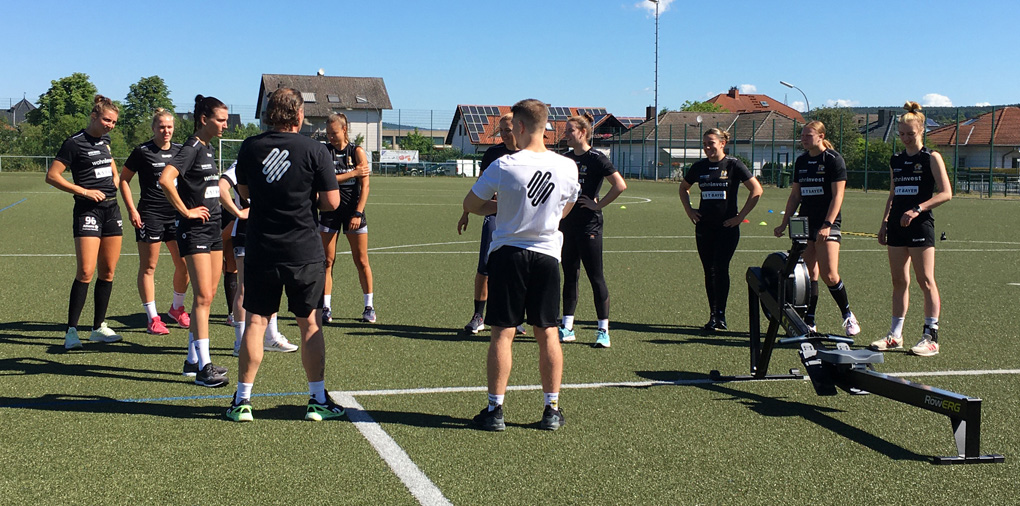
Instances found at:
x=202 y=347
x=150 y=310
x=192 y=352
x=568 y=322
x=238 y=334
x=604 y=324
x=368 y=300
x=272 y=329
x=552 y=399
x=317 y=390
x=326 y=300
x=178 y=300
x=897 y=326
x=495 y=401
x=932 y=322
x=243 y=390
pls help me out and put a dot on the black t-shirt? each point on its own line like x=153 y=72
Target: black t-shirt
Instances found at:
x=592 y=169
x=148 y=160
x=815 y=174
x=90 y=162
x=198 y=182
x=344 y=161
x=494 y=153
x=719 y=182
x=913 y=181
x=283 y=172
x=230 y=175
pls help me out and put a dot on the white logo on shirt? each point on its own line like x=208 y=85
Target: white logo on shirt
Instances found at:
x=275 y=165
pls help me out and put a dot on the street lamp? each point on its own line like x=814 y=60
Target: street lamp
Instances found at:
x=808 y=104
x=655 y=158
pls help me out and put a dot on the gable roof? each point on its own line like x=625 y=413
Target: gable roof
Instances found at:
x=734 y=101
x=676 y=125
x=482 y=122
x=978 y=131
x=330 y=93
x=18 y=112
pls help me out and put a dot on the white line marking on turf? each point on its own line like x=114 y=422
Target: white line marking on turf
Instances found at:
x=643 y=384
x=1013 y=284
x=420 y=486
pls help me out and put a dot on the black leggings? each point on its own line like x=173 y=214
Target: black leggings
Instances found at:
x=586 y=248
x=716 y=245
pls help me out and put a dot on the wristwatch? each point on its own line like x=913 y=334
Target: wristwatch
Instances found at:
x=826 y=224
x=358 y=214
x=917 y=209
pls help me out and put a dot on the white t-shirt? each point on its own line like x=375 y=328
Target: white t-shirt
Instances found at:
x=533 y=190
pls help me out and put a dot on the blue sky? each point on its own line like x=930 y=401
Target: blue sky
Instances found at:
x=593 y=53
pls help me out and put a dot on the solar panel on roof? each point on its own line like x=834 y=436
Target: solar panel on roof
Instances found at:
x=308 y=96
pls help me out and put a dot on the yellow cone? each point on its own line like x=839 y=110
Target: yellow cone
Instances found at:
x=763 y=223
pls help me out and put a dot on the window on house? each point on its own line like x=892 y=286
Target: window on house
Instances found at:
x=333 y=99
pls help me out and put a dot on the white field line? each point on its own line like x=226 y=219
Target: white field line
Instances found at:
x=420 y=486
x=642 y=384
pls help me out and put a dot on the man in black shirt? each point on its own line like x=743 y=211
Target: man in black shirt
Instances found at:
x=281 y=172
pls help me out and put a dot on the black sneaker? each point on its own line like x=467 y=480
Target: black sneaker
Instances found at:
x=720 y=322
x=710 y=326
x=210 y=376
x=191 y=369
x=319 y=411
x=552 y=419
x=490 y=420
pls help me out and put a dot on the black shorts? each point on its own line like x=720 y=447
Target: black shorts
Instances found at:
x=304 y=284
x=919 y=234
x=194 y=237
x=488 y=223
x=339 y=221
x=226 y=219
x=97 y=219
x=816 y=223
x=522 y=282
x=156 y=229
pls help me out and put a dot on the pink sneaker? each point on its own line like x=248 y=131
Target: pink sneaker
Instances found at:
x=180 y=316
x=157 y=327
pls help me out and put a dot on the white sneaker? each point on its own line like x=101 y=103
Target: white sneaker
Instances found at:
x=279 y=343
x=521 y=331
x=925 y=347
x=852 y=327
x=889 y=342
x=71 y=341
x=103 y=335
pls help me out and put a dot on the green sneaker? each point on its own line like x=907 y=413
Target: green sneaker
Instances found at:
x=239 y=411
x=71 y=341
x=328 y=410
x=104 y=334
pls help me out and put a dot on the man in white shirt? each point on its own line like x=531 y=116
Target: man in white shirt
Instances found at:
x=537 y=188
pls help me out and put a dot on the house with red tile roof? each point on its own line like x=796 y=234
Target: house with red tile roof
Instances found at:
x=993 y=137
x=734 y=101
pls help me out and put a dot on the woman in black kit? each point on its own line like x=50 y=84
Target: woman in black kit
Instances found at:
x=97 y=228
x=352 y=172
x=196 y=199
x=819 y=179
x=154 y=220
x=582 y=228
x=716 y=221
x=919 y=184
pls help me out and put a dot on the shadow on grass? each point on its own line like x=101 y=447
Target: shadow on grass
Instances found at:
x=26 y=366
x=778 y=407
x=354 y=327
x=100 y=404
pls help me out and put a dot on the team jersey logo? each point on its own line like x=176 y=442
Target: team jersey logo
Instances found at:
x=723 y=174
x=540 y=187
x=275 y=165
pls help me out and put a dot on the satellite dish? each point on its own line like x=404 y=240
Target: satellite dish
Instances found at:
x=698 y=119
x=322 y=72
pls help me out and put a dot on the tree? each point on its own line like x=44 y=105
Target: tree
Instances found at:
x=242 y=132
x=417 y=141
x=841 y=127
x=143 y=98
x=702 y=107
x=63 y=109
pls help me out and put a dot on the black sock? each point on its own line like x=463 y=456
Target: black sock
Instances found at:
x=79 y=291
x=809 y=317
x=101 y=298
x=479 y=307
x=230 y=289
x=838 y=292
